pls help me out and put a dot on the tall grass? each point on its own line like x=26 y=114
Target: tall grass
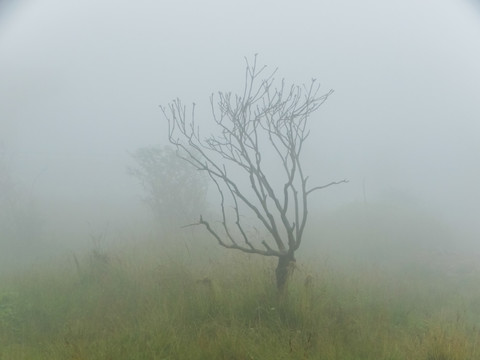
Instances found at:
x=144 y=303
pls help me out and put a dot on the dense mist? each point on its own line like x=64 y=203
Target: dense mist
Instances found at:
x=286 y=223
x=81 y=84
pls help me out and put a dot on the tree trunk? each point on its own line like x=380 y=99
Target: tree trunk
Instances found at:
x=284 y=270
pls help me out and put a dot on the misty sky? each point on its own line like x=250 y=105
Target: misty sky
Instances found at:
x=81 y=82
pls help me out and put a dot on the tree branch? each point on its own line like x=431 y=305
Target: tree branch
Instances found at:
x=344 y=181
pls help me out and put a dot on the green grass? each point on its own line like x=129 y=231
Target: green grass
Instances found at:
x=148 y=304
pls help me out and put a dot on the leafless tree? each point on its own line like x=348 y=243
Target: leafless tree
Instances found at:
x=268 y=117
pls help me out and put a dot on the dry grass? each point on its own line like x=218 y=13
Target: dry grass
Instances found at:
x=145 y=304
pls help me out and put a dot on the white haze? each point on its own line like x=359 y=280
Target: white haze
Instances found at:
x=81 y=82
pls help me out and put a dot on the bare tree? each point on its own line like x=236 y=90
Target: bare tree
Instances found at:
x=265 y=118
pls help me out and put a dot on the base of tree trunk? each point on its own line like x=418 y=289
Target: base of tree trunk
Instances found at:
x=285 y=267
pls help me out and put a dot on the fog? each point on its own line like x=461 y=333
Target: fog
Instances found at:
x=81 y=84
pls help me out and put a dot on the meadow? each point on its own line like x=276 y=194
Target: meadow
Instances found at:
x=148 y=302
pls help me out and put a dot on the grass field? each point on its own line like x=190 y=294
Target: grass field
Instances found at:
x=148 y=303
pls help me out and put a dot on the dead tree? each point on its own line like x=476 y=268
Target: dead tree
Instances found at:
x=265 y=118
